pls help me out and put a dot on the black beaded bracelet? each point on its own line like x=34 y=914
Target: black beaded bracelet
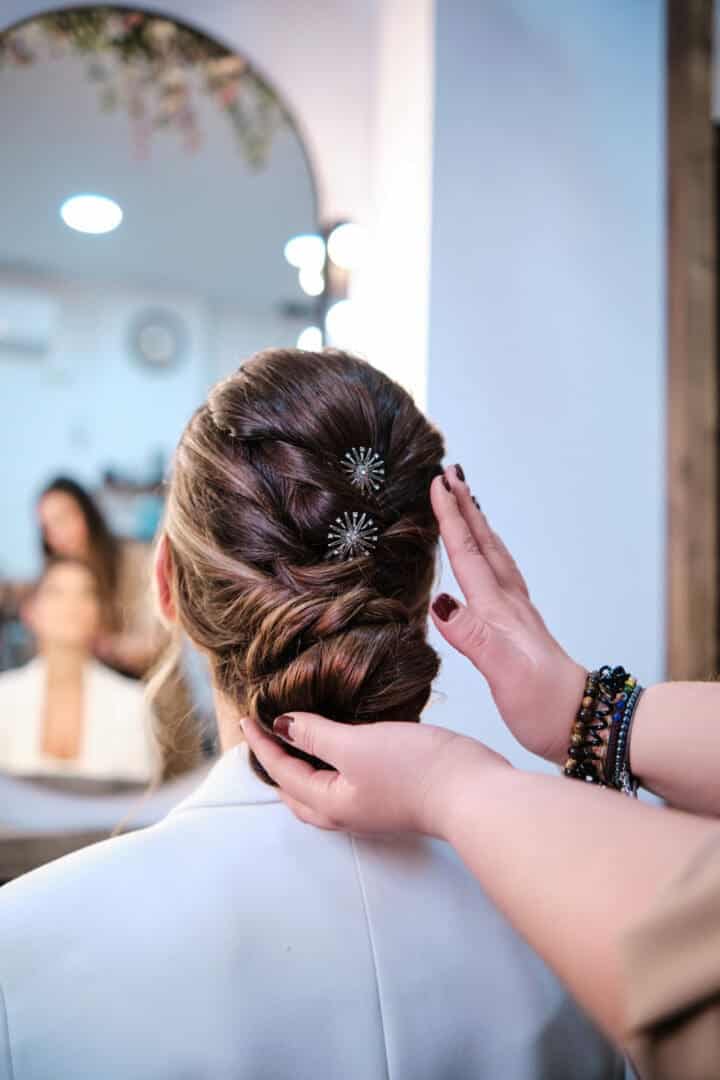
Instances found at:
x=600 y=738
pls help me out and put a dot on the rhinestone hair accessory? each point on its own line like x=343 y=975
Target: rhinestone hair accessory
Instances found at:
x=351 y=535
x=365 y=468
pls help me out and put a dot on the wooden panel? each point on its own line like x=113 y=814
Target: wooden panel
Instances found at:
x=692 y=381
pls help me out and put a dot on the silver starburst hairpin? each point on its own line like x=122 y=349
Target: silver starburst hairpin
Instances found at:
x=351 y=535
x=365 y=468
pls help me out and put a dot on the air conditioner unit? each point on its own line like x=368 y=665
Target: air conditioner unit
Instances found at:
x=27 y=322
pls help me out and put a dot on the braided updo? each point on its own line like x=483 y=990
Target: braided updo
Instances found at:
x=257 y=480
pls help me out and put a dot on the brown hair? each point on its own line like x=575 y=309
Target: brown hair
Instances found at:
x=104 y=549
x=257 y=480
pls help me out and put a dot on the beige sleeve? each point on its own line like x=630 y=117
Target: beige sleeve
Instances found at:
x=673 y=977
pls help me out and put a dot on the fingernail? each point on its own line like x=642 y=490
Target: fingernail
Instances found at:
x=446 y=484
x=282 y=727
x=444 y=606
x=460 y=473
x=477 y=504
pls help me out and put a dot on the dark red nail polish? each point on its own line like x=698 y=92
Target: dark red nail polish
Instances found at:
x=282 y=727
x=477 y=504
x=460 y=473
x=446 y=485
x=444 y=606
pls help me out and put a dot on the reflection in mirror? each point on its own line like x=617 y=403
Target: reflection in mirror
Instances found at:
x=156 y=179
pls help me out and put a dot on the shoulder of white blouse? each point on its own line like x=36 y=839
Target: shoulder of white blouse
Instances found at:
x=6 y=1065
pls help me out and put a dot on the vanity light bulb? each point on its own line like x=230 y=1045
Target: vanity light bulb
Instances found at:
x=346 y=245
x=310 y=339
x=312 y=282
x=306 y=252
x=341 y=325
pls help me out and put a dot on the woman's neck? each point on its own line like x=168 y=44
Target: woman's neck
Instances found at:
x=63 y=716
x=228 y=721
x=64 y=663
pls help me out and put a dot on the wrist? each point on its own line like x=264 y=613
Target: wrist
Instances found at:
x=570 y=687
x=473 y=782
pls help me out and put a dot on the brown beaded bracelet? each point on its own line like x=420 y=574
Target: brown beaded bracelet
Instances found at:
x=589 y=753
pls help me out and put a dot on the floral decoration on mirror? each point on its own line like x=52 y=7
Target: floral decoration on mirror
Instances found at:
x=154 y=68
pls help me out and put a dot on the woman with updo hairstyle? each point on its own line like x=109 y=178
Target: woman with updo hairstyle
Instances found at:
x=230 y=940
x=258 y=479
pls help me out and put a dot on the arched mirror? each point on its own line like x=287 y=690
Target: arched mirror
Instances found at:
x=152 y=180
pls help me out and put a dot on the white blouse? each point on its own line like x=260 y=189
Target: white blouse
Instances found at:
x=117 y=739
x=232 y=942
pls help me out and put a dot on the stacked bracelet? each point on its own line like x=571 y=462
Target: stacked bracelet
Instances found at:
x=621 y=777
x=600 y=739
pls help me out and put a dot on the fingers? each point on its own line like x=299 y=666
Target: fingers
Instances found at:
x=500 y=560
x=472 y=570
x=305 y=814
x=315 y=735
x=461 y=628
x=297 y=778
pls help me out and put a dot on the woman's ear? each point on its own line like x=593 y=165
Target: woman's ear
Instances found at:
x=163 y=577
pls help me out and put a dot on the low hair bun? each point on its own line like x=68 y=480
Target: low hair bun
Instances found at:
x=256 y=483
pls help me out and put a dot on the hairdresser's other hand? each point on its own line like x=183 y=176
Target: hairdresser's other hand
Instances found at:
x=537 y=687
x=386 y=777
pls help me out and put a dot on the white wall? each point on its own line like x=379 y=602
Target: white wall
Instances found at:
x=233 y=336
x=547 y=314
x=392 y=289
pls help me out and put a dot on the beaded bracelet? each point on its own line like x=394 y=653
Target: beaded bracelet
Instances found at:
x=600 y=738
x=622 y=778
x=591 y=723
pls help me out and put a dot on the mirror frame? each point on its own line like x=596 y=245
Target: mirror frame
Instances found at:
x=693 y=562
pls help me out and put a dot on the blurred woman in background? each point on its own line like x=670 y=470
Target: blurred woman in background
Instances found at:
x=131 y=637
x=64 y=713
x=72 y=526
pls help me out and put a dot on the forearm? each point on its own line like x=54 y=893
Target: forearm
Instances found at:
x=572 y=867
x=675 y=744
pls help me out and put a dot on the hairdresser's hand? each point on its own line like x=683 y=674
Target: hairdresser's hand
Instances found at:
x=389 y=777
x=537 y=687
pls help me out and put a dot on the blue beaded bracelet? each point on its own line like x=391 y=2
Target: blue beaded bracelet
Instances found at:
x=621 y=776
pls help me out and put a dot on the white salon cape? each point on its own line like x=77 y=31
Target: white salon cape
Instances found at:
x=117 y=739
x=232 y=942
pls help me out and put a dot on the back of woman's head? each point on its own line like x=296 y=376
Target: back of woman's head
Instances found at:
x=257 y=482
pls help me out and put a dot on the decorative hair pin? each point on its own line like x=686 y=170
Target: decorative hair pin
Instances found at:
x=352 y=535
x=365 y=468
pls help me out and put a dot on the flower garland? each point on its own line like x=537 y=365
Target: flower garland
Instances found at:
x=154 y=68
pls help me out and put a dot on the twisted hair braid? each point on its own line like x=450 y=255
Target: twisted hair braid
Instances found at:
x=256 y=481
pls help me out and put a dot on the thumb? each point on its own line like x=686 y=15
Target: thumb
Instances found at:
x=315 y=735
x=462 y=629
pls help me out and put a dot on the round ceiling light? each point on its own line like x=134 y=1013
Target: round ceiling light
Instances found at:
x=91 y=214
